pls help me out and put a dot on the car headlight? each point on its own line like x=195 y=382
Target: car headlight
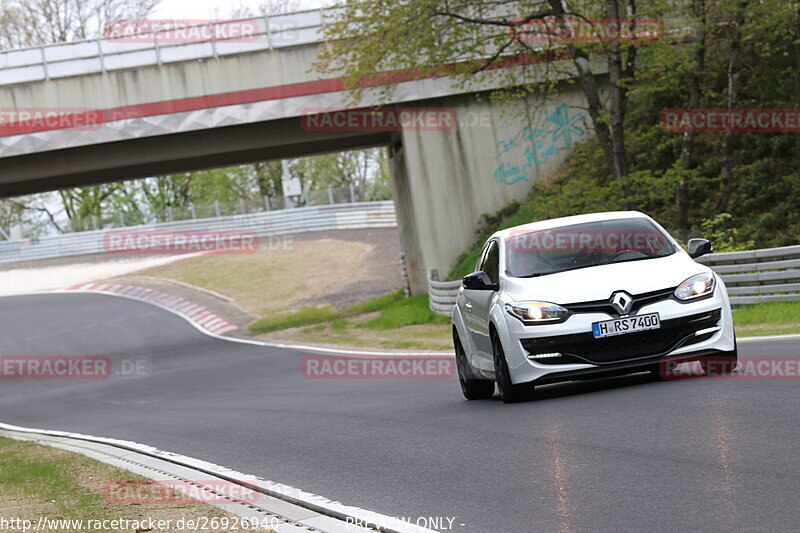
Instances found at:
x=536 y=312
x=695 y=287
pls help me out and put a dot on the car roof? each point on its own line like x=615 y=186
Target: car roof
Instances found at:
x=567 y=221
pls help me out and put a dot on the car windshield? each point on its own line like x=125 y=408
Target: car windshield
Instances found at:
x=538 y=253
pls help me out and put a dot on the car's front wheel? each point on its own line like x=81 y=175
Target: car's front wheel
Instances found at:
x=509 y=392
x=473 y=389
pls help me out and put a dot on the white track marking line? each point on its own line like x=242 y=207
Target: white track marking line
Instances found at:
x=281 y=491
x=786 y=337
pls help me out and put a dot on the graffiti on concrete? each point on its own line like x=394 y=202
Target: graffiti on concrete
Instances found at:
x=537 y=145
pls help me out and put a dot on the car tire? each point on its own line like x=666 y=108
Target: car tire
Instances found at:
x=509 y=392
x=473 y=389
x=721 y=365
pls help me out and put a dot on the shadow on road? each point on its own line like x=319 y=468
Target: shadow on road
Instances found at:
x=575 y=388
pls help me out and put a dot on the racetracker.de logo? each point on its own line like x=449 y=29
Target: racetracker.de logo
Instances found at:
x=379 y=119
x=745 y=120
x=55 y=367
x=769 y=368
x=172 y=492
x=21 y=120
x=180 y=242
x=582 y=30
x=588 y=241
x=180 y=31
x=25 y=119
x=381 y=367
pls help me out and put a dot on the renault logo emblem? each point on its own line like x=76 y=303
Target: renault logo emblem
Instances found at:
x=622 y=302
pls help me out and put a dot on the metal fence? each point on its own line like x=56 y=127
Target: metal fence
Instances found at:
x=753 y=276
x=265 y=224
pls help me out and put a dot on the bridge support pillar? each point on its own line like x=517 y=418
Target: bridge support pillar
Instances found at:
x=406 y=221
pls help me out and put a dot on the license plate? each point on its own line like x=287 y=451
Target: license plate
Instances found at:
x=621 y=326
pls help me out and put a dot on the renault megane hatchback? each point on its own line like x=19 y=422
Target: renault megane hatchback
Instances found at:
x=587 y=296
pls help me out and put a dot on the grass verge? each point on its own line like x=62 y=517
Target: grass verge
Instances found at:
x=272 y=277
x=389 y=321
x=39 y=481
x=774 y=318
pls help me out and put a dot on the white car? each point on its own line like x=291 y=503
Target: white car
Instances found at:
x=587 y=296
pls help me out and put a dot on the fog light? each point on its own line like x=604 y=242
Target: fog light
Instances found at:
x=707 y=330
x=549 y=355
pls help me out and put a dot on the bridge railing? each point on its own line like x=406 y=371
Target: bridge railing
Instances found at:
x=105 y=54
x=751 y=277
x=379 y=214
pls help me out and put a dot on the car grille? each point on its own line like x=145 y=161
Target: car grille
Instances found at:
x=583 y=347
x=604 y=306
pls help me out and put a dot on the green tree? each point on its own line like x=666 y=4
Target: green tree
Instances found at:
x=469 y=39
x=83 y=206
x=365 y=170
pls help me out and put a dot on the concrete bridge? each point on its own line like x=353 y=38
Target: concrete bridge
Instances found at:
x=149 y=107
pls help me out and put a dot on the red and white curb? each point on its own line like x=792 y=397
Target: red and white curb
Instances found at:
x=197 y=314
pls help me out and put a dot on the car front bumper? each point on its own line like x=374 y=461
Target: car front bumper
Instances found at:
x=584 y=356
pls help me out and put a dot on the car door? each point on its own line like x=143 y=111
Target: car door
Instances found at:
x=478 y=302
x=465 y=302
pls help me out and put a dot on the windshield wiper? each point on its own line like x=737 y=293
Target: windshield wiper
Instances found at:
x=535 y=275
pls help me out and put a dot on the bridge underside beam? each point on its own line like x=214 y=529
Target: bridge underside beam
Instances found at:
x=152 y=156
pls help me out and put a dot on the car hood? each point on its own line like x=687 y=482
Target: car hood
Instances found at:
x=598 y=282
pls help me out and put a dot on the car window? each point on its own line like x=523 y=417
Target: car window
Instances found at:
x=481 y=258
x=491 y=264
x=543 y=252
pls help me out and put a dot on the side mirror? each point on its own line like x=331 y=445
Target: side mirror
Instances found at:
x=698 y=247
x=479 y=281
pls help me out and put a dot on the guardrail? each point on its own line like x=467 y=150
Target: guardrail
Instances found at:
x=442 y=296
x=265 y=224
x=104 y=54
x=758 y=276
x=753 y=276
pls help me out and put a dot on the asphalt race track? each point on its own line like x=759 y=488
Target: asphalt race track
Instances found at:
x=621 y=454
